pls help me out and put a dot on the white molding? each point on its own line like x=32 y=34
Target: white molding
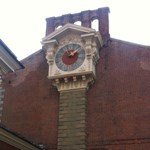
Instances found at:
x=70 y=27
x=8 y=61
x=73 y=83
x=15 y=141
x=5 y=66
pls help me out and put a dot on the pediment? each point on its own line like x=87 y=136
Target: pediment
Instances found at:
x=64 y=30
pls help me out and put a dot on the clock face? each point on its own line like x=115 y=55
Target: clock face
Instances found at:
x=70 y=57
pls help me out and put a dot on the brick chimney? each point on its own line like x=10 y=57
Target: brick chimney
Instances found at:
x=86 y=18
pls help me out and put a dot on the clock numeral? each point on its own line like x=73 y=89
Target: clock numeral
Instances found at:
x=81 y=56
x=70 y=47
x=69 y=68
x=75 y=46
x=64 y=67
x=63 y=50
x=79 y=61
x=59 y=64
x=57 y=59
x=82 y=51
x=75 y=65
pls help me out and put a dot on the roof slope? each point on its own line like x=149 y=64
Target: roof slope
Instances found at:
x=10 y=137
x=8 y=60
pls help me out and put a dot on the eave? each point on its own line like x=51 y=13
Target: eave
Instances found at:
x=16 y=140
x=8 y=61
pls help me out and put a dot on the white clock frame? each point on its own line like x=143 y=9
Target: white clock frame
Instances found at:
x=84 y=75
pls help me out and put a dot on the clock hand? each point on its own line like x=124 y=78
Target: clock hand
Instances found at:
x=75 y=51
x=67 y=52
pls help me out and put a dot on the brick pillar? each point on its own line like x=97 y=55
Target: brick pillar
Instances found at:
x=72 y=120
x=50 y=27
x=86 y=22
x=66 y=19
x=104 y=21
x=104 y=24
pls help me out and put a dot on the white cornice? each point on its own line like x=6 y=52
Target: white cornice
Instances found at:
x=8 y=61
x=15 y=141
x=65 y=28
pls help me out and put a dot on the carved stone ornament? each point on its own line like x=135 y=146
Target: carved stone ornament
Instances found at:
x=72 y=53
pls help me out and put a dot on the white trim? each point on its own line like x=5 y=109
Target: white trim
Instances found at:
x=7 y=64
x=67 y=27
x=15 y=141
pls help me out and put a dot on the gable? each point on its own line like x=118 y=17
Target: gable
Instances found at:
x=68 y=28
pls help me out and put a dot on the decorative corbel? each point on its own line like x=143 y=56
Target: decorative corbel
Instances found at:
x=88 y=38
x=95 y=52
x=50 y=50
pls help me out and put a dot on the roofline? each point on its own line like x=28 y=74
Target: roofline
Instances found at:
x=11 y=53
x=2 y=126
x=129 y=42
x=101 y=8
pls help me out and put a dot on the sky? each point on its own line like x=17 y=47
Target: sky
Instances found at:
x=23 y=23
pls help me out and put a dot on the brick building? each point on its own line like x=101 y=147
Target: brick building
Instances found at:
x=110 y=112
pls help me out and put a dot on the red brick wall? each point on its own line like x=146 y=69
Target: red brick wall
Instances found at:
x=31 y=102
x=5 y=146
x=118 y=103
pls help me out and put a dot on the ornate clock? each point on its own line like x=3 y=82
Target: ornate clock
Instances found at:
x=72 y=53
x=70 y=57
